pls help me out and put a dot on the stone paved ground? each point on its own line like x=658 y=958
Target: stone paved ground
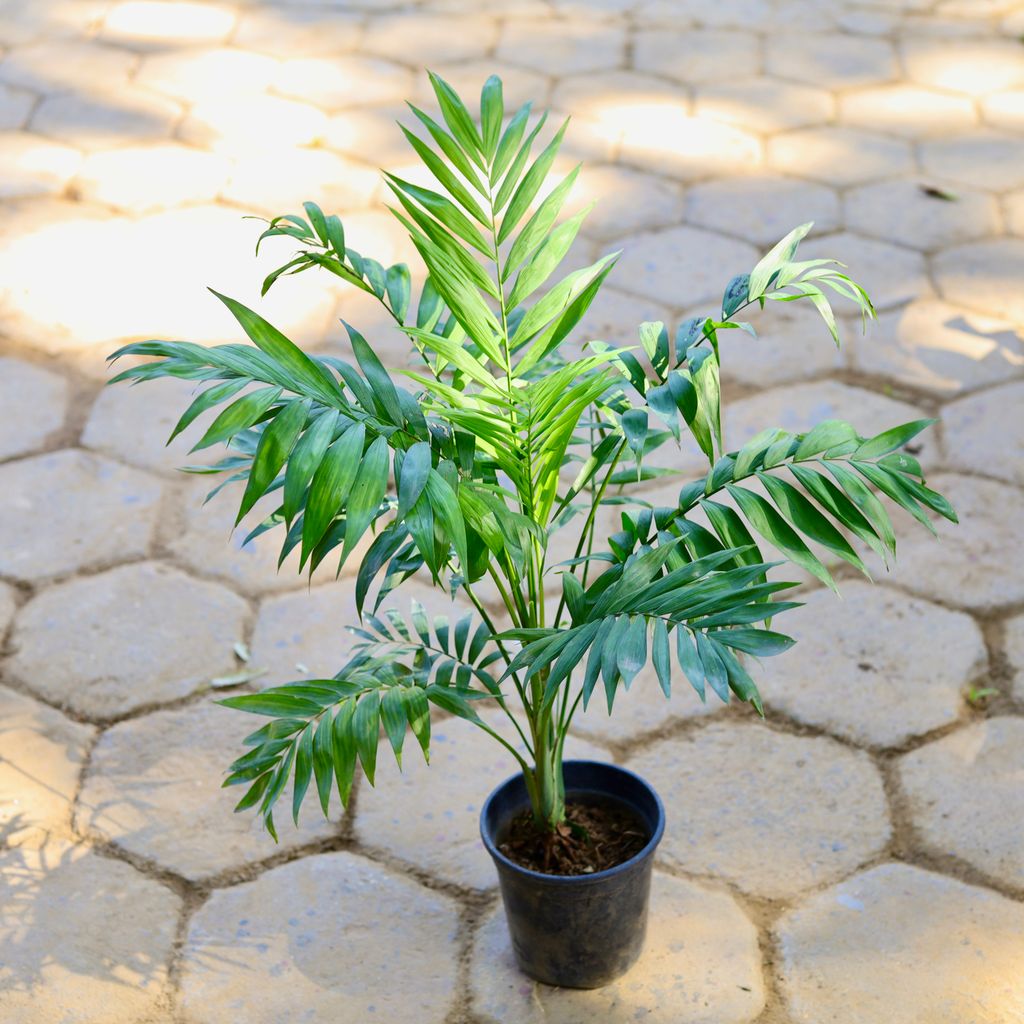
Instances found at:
x=856 y=858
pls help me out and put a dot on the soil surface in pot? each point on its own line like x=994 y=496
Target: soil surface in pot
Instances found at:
x=595 y=836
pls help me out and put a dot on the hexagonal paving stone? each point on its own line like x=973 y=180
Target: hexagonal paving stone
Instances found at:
x=983 y=159
x=986 y=432
x=792 y=344
x=134 y=636
x=99 y=120
x=876 y=667
x=290 y=928
x=1014 y=641
x=683 y=265
x=1013 y=205
x=700 y=958
x=64 y=957
x=761 y=209
x=909 y=110
x=446 y=37
x=31 y=166
x=299 y=175
x=764 y=104
x=429 y=816
x=941 y=348
x=984 y=276
x=1005 y=110
x=8 y=604
x=830 y=60
x=191 y=74
x=627 y=201
x=799 y=407
x=140 y=24
x=614 y=100
x=363 y=130
x=39 y=771
x=335 y=83
x=246 y=125
x=54 y=66
x=697 y=55
x=797 y=811
x=967 y=568
x=15 y=105
x=95 y=511
x=570 y=46
x=891 y=274
x=154 y=789
x=643 y=709
x=964 y=796
x=838 y=156
x=141 y=179
x=298 y=31
x=973 y=67
x=903 y=212
x=35 y=402
x=950 y=950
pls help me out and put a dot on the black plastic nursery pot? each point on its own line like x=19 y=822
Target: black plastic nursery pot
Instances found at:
x=576 y=931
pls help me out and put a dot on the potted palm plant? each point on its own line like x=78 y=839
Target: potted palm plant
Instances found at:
x=464 y=471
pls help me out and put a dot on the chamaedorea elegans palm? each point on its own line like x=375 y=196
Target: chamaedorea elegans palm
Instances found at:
x=494 y=442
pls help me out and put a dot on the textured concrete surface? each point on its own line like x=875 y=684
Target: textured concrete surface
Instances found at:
x=857 y=858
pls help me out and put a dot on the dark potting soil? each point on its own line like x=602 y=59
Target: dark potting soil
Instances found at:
x=595 y=836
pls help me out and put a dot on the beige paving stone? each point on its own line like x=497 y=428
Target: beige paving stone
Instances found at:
x=983 y=159
x=728 y=13
x=137 y=635
x=855 y=673
x=53 y=66
x=798 y=811
x=986 y=431
x=248 y=125
x=145 y=24
x=967 y=567
x=8 y=604
x=154 y=789
x=901 y=211
x=163 y=296
x=288 y=928
x=964 y=796
x=973 y=67
x=627 y=201
x=95 y=510
x=297 y=31
x=360 y=131
x=792 y=344
x=903 y=109
x=643 y=709
x=940 y=347
x=570 y=46
x=762 y=209
x=830 y=60
x=104 y=957
x=838 y=156
x=27 y=23
x=306 y=634
x=43 y=757
x=15 y=105
x=984 y=276
x=616 y=99
x=1005 y=110
x=429 y=816
x=340 y=82
x=700 y=959
x=949 y=950
x=891 y=274
x=35 y=403
x=31 y=166
x=445 y=37
x=798 y=407
x=763 y=104
x=193 y=74
x=683 y=265
x=144 y=179
x=696 y=55
x=1013 y=207
x=1014 y=643
x=105 y=119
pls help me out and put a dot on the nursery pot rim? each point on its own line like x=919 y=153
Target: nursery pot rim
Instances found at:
x=596 y=876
